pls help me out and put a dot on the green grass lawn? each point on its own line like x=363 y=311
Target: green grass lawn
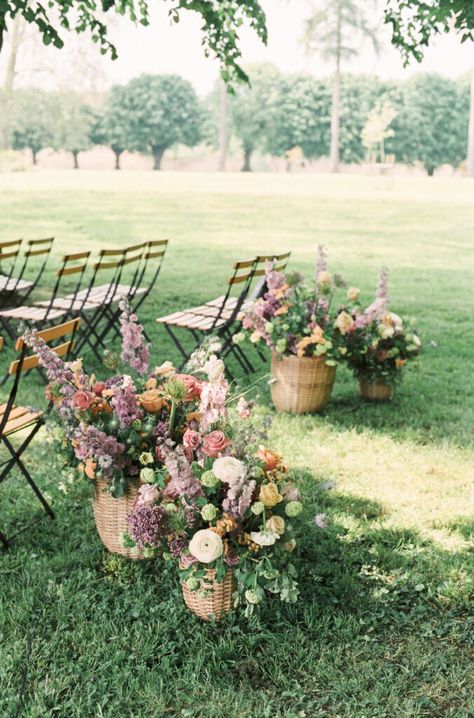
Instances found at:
x=385 y=625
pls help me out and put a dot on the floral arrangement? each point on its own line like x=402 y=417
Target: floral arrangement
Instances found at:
x=210 y=495
x=378 y=342
x=296 y=317
x=218 y=499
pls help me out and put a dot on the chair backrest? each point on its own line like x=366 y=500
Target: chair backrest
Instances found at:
x=10 y=251
x=240 y=280
x=26 y=362
x=108 y=269
x=71 y=265
x=152 y=260
x=36 y=248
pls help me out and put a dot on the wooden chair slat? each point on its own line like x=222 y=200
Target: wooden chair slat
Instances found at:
x=157 y=243
x=9 y=254
x=10 y=243
x=35 y=242
x=111 y=252
x=152 y=255
x=37 y=252
x=70 y=270
x=48 y=335
x=1 y=343
x=245 y=264
x=78 y=255
x=240 y=279
x=22 y=422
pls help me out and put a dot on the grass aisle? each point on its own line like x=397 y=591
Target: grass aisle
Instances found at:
x=384 y=628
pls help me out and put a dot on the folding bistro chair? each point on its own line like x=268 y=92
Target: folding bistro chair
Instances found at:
x=105 y=297
x=16 y=289
x=144 y=280
x=14 y=418
x=215 y=318
x=9 y=284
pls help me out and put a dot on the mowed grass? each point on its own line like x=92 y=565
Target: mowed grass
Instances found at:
x=385 y=624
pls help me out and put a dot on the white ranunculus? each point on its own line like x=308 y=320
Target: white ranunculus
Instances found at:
x=214 y=368
x=264 y=538
x=165 y=370
x=229 y=469
x=206 y=546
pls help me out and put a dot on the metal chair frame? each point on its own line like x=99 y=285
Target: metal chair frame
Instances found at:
x=35 y=248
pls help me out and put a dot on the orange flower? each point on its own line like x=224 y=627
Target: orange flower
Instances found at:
x=269 y=458
x=193 y=416
x=151 y=401
x=316 y=337
x=400 y=362
x=279 y=293
x=89 y=468
x=150 y=384
x=282 y=310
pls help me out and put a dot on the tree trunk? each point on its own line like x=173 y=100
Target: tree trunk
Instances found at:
x=117 y=154
x=334 y=151
x=470 y=140
x=430 y=170
x=223 y=126
x=75 y=154
x=6 y=129
x=34 y=156
x=247 y=156
x=158 y=153
x=3 y=29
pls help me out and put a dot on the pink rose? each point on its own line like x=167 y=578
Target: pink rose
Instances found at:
x=193 y=385
x=244 y=408
x=291 y=493
x=148 y=494
x=191 y=439
x=82 y=400
x=214 y=443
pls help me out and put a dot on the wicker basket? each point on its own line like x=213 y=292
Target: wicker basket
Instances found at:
x=219 y=600
x=375 y=391
x=301 y=384
x=111 y=516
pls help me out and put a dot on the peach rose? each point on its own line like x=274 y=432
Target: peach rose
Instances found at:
x=191 y=439
x=214 y=443
x=193 y=385
x=276 y=524
x=82 y=400
x=151 y=401
x=148 y=494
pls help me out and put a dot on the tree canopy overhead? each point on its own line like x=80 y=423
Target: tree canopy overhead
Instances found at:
x=414 y=23
x=221 y=21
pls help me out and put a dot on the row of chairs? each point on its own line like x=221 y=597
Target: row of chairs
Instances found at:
x=15 y=266
x=92 y=300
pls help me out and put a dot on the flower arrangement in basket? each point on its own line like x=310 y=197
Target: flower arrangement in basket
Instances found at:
x=221 y=506
x=297 y=320
x=379 y=343
x=115 y=430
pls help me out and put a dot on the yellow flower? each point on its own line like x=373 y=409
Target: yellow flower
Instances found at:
x=353 y=294
x=276 y=524
x=344 y=322
x=269 y=495
x=290 y=545
x=324 y=277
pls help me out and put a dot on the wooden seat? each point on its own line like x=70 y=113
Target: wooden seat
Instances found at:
x=68 y=305
x=19 y=418
x=10 y=284
x=31 y=314
x=189 y=320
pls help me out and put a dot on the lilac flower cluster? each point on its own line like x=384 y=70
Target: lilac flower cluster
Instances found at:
x=148 y=525
x=135 y=352
x=379 y=306
x=239 y=497
x=275 y=280
x=124 y=402
x=321 y=261
x=177 y=546
x=92 y=443
x=212 y=405
x=183 y=482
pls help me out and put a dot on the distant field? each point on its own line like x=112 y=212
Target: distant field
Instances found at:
x=402 y=504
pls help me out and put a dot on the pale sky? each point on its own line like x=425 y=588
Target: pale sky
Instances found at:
x=166 y=48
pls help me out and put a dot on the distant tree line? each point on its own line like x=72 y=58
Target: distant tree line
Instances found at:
x=420 y=121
